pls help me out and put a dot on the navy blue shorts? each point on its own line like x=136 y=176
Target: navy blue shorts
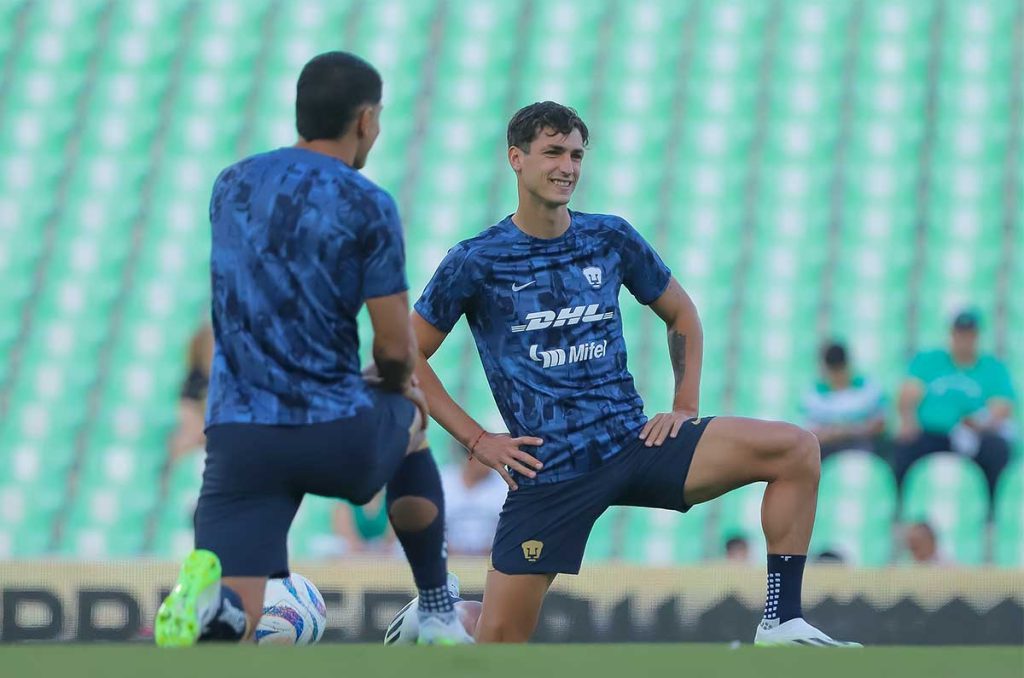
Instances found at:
x=544 y=529
x=256 y=476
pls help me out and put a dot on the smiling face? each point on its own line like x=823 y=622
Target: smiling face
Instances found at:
x=549 y=167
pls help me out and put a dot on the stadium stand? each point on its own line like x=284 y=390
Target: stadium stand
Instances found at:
x=809 y=168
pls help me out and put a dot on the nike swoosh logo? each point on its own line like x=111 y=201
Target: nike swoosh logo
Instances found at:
x=516 y=288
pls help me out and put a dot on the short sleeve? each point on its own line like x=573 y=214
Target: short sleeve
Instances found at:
x=383 y=251
x=449 y=291
x=1002 y=385
x=644 y=274
x=919 y=367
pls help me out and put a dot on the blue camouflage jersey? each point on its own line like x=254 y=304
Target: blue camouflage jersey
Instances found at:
x=545 y=317
x=300 y=240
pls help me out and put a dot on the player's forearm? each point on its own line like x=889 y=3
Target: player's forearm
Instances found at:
x=686 y=352
x=443 y=408
x=395 y=362
x=394 y=372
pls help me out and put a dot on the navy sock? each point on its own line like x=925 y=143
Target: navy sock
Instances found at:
x=425 y=549
x=228 y=623
x=785 y=580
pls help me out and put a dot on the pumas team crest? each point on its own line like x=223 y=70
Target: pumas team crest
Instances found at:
x=532 y=550
x=593 y=276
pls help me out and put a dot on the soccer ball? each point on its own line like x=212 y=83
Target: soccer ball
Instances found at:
x=294 y=612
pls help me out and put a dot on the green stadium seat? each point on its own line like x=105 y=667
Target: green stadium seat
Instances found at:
x=1008 y=535
x=60 y=34
x=949 y=492
x=739 y=515
x=661 y=537
x=28 y=502
x=10 y=11
x=108 y=520
x=174 y=530
x=856 y=508
x=602 y=546
x=312 y=535
x=27 y=541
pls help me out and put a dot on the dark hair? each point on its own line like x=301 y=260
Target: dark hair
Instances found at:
x=926 y=527
x=735 y=540
x=332 y=86
x=830 y=556
x=528 y=122
x=834 y=355
x=968 y=319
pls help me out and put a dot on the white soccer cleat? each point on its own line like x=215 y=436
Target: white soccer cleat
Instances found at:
x=442 y=629
x=795 y=632
x=404 y=629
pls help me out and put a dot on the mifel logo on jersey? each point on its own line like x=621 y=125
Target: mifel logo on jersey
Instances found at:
x=532 y=549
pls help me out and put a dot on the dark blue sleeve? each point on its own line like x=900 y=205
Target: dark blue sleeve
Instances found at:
x=383 y=251
x=449 y=291
x=644 y=274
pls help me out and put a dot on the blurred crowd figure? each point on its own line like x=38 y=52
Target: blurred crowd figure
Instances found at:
x=189 y=435
x=364 y=529
x=956 y=399
x=473 y=497
x=831 y=557
x=845 y=409
x=922 y=544
x=737 y=549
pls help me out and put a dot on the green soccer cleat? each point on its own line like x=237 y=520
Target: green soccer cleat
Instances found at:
x=191 y=603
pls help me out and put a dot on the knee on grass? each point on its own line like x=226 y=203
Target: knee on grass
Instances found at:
x=501 y=631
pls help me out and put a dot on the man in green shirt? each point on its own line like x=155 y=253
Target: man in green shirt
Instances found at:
x=957 y=400
x=845 y=410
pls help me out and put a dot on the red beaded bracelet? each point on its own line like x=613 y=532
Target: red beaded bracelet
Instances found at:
x=473 y=445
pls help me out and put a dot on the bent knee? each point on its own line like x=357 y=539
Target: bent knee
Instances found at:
x=800 y=452
x=412 y=514
x=806 y=451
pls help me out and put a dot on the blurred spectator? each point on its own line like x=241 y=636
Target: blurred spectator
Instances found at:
x=364 y=529
x=189 y=435
x=830 y=557
x=473 y=497
x=922 y=544
x=737 y=549
x=845 y=410
x=956 y=400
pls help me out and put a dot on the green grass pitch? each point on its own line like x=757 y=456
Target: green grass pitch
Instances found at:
x=535 y=661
